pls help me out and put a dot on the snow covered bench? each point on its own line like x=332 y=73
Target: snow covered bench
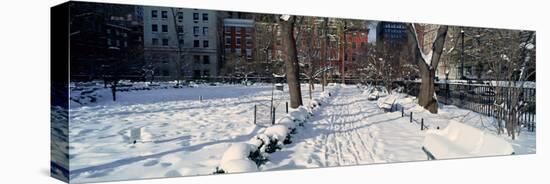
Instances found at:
x=387 y=103
x=459 y=140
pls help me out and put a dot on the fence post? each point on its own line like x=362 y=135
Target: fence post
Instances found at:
x=273 y=118
x=200 y=98
x=402 y=111
x=286 y=107
x=255 y=109
x=422 y=124
x=411 y=117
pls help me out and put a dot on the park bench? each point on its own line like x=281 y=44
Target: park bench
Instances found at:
x=459 y=140
x=387 y=103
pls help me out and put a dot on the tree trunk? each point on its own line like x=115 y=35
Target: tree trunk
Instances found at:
x=310 y=88
x=113 y=89
x=345 y=53
x=426 y=95
x=325 y=54
x=291 y=62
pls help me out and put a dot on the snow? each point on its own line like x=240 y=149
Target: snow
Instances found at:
x=459 y=140
x=530 y=46
x=299 y=114
x=387 y=102
x=239 y=166
x=278 y=132
x=180 y=135
x=285 y=17
x=426 y=57
x=235 y=158
x=351 y=130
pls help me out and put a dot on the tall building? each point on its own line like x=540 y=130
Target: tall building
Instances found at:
x=106 y=42
x=238 y=37
x=180 y=43
x=392 y=33
x=357 y=41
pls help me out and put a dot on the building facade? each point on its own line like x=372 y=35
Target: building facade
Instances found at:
x=180 y=43
x=106 y=42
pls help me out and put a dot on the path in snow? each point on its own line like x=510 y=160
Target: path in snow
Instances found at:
x=350 y=130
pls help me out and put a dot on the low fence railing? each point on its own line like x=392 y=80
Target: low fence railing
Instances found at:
x=515 y=104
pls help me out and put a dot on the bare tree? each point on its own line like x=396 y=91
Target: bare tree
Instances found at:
x=510 y=60
x=427 y=63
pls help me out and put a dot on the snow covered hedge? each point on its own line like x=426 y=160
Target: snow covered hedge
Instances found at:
x=246 y=157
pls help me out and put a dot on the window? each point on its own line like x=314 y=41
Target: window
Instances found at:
x=164 y=14
x=227 y=40
x=363 y=45
x=165 y=72
x=206 y=73
x=180 y=16
x=196 y=30
x=180 y=29
x=108 y=31
x=238 y=41
x=196 y=43
x=154 y=13
x=125 y=44
x=206 y=60
x=154 y=28
x=204 y=31
x=124 y=35
x=109 y=42
x=205 y=16
x=165 y=28
x=180 y=41
x=118 y=43
x=196 y=59
x=165 y=41
x=205 y=43
x=196 y=73
x=155 y=41
x=195 y=16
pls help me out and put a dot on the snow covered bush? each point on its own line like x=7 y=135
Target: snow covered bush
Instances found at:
x=299 y=114
x=236 y=159
x=241 y=156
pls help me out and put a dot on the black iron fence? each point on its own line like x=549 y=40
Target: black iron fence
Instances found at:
x=515 y=104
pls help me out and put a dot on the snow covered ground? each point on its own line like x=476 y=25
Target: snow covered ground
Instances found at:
x=180 y=135
x=352 y=130
x=183 y=136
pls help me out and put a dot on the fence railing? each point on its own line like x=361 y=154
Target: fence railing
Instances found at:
x=513 y=104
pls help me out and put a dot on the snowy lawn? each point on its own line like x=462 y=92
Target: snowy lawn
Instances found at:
x=180 y=135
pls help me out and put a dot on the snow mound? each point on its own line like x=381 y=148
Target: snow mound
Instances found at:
x=239 y=166
x=299 y=114
x=237 y=151
x=314 y=104
x=387 y=102
x=236 y=158
x=287 y=121
x=279 y=132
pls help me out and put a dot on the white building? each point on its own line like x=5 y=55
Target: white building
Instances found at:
x=180 y=43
